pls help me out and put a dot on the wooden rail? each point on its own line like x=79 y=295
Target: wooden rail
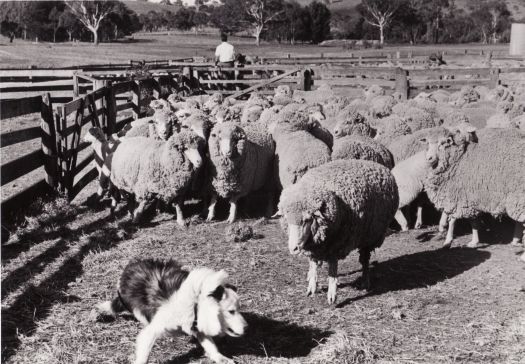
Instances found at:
x=44 y=155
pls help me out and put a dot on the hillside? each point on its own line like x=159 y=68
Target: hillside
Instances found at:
x=143 y=7
x=516 y=7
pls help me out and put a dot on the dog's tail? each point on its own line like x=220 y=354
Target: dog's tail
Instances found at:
x=113 y=307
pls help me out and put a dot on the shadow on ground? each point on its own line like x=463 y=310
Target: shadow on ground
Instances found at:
x=419 y=270
x=265 y=338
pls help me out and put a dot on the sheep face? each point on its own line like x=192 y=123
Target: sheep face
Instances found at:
x=315 y=113
x=299 y=232
x=189 y=144
x=227 y=140
x=214 y=101
x=164 y=121
x=198 y=124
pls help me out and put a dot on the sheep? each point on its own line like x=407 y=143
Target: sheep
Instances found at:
x=373 y=91
x=415 y=117
x=333 y=105
x=500 y=93
x=336 y=208
x=269 y=115
x=241 y=161
x=282 y=95
x=361 y=147
x=391 y=128
x=405 y=146
x=316 y=117
x=468 y=177
x=160 y=126
x=506 y=113
x=148 y=169
x=352 y=121
x=231 y=113
x=381 y=106
x=296 y=150
x=321 y=95
x=213 y=102
x=465 y=96
x=440 y=96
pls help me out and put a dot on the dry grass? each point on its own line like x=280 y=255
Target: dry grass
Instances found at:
x=428 y=305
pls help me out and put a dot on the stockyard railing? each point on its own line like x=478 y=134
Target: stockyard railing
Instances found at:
x=43 y=155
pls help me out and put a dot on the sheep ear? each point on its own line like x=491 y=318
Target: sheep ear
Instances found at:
x=218 y=293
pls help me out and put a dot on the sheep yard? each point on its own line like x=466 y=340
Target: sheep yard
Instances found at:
x=428 y=304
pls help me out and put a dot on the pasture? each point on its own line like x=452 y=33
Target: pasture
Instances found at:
x=146 y=46
x=427 y=304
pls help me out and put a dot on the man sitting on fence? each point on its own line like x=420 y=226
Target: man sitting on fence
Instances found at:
x=225 y=57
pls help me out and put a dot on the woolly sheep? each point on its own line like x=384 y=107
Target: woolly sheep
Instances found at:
x=296 y=150
x=159 y=127
x=230 y=113
x=373 y=91
x=361 y=147
x=213 y=101
x=440 y=96
x=148 y=169
x=381 y=106
x=415 y=117
x=506 y=113
x=405 y=146
x=469 y=178
x=500 y=93
x=390 y=128
x=465 y=96
x=269 y=115
x=282 y=95
x=315 y=115
x=352 y=121
x=336 y=208
x=241 y=161
x=333 y=105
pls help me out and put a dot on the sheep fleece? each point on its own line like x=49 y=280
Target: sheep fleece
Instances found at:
x=358 y=198
x=488 y=176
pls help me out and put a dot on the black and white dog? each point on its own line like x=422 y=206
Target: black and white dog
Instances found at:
x=168 y=299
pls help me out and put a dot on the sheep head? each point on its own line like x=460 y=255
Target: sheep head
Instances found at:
x=444 y=150
x=309 y=214
x=214 y=101
x=199 y=124
x=164 y=121
x=95 y=135
x=189 y=144
x=351 y=121
x=227 y=140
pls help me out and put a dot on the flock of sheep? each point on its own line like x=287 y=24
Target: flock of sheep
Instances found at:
x=337 y=170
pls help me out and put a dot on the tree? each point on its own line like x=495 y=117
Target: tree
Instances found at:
x=183 y=19
x=91 y=14
x=229 y=17
x=69 y=22
x=54 y=18
x=319 y=22
x=379 y=13
x=260 y=13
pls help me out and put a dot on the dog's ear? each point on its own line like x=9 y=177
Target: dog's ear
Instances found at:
x=218 y=293
x=230 y=286
x=212 y=283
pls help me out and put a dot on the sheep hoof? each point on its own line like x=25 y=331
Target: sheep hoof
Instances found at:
x=181 y=223
x=310 y=291
x=231 y=220
x=474 y=244
x=440 y=235
x=447 y=244
x=418 y=225
x=516 y=243
x=331 y=297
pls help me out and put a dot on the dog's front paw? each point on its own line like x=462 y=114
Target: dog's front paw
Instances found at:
x=221 y=359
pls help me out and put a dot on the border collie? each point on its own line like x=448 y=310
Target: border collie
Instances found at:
x=168 y=299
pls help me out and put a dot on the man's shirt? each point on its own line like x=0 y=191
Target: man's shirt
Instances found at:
x=225 y=52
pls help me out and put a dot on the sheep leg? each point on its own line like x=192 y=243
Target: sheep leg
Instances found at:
x=180 y=216
x=137 y=214
x=401 y=220
x=364 y=259
x=474 y=243
x=332 y=281
x=443 y=221
x=450 y=233
x=233 y=210
x=211 y=208
x=312 y=278
x=419 y=220
x=518 y=235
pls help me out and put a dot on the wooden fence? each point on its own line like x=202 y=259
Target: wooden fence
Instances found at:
x=42 y=156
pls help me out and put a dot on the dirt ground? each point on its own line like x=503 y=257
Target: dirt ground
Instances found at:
x=427 y=305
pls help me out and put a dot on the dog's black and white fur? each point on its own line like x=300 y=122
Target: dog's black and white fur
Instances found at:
x=168 y=299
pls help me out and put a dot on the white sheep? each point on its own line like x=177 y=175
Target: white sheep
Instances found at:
x=241 y=162
x=148 y=169
x=362 y=147
x=336 y=208
x=474 y=173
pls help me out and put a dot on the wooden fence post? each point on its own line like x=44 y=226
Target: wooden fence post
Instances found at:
x=136 y=100
x=306 y=80
x=75 y=85
x=494 y=77
x=402 y=82
x=111 y=110
x=48 y=141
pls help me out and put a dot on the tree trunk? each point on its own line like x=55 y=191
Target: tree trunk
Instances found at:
x=381 y=34
x=70 y=33
x=55 y=35
x=95 y=34
x=258 y=31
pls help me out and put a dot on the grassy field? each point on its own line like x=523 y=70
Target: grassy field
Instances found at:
x=428 y=305
x=152 y=46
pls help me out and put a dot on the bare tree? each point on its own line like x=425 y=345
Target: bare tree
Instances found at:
x=91 y=13
x=260 y=13
x=379 y=13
